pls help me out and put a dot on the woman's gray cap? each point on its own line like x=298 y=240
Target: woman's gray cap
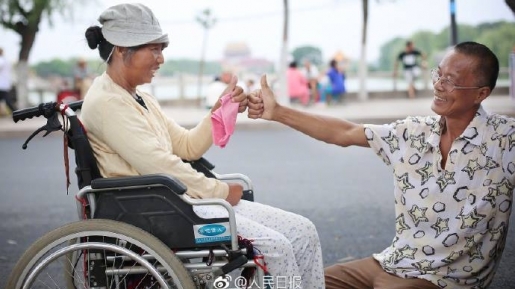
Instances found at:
x=128 y=25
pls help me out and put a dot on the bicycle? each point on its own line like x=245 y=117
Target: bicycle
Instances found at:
x=133 y=232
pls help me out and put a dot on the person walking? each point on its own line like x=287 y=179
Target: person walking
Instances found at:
x=6 y=82
x=453 y=173
x=411 y=66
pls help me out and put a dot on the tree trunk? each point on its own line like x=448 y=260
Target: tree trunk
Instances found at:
x=282 y=93
x=28 y=37
x=363 y=70
x=201 y=69
x=22 y=85
x=27 y=33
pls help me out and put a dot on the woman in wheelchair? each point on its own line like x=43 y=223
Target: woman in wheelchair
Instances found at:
x=130 y=135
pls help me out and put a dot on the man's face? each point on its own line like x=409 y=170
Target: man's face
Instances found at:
x=450 y=100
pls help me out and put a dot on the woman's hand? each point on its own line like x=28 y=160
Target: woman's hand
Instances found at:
x=235 y=194
x=237 y=95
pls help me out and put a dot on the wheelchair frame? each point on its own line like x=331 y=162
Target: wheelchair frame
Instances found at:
x=106 y=209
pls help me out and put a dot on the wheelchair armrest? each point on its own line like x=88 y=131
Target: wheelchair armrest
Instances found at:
x=239 y=178
x=204 y=162
x=248 y=190
x=202 y=166
x=155 y=179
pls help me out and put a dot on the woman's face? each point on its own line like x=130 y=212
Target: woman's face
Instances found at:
x=142 y=64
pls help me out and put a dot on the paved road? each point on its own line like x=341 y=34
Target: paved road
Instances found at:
x=334 y=187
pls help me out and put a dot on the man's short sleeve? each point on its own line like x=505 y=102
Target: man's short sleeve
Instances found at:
x=387 y=140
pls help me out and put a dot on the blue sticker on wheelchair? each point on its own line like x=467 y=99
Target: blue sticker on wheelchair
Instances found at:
x=212 y=233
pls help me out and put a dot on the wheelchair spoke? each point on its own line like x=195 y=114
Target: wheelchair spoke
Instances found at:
x=99 y=254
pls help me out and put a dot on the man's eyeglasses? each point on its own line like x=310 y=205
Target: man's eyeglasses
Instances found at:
x=447 y=84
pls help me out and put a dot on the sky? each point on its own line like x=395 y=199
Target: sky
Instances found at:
x=331 y=25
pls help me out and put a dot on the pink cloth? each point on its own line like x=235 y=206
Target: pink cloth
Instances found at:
x=224 y=120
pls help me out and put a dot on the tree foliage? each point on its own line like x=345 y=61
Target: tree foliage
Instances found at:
x=498 y=36
x=24 y=18
x=314 y=54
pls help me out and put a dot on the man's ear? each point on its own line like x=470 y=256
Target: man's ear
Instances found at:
x=483 y=93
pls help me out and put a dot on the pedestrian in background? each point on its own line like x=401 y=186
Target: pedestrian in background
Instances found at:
x=81 y=78
x=410 y=63
x=312 y=74
x=297 y=85
x=337 y=82
x=6 y=82
x=216 y=87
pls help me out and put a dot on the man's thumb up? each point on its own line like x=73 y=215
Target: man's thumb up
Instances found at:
x=264 y=83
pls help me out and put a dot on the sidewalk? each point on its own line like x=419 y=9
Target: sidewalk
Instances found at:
x=371 y=111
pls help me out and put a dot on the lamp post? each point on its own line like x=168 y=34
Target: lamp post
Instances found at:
x=454 y=32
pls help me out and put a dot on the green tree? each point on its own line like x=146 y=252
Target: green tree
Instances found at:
x=494 y=40
x=498 y=36
x=54 y=67
x=314 y=54
x=24 y=17
x=389 y=52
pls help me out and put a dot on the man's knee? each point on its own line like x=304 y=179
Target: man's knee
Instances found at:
x=347 y=275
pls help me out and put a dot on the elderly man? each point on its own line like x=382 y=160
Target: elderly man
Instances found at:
x=454 y=176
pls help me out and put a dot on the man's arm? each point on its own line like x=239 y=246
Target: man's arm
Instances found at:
x=262 y=104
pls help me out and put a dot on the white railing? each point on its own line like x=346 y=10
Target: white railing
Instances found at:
x=185 y=87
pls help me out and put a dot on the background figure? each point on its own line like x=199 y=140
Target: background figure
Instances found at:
x=81 y=79
x=312 y=74
x=409 y=58
x=297 y=84
x=250 y=85
x=215 y=88
x=336 y=79
x=6 y=82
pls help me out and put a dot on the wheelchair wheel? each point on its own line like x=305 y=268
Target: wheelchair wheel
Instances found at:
x=99 y=254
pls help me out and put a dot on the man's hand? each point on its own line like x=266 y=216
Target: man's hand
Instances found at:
x=237 y=95
x=262 y=102
x=235 y=194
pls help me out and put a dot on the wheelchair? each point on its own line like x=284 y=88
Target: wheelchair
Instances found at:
x=134 y=232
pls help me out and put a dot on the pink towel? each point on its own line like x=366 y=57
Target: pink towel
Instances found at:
x=224 y=120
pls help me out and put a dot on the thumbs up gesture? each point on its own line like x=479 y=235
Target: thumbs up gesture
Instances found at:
x=237 y=95
x=262 y=102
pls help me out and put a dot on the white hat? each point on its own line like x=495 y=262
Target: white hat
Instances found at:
x=128 y=25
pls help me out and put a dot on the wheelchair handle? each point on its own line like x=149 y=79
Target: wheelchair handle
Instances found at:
x=47 y=109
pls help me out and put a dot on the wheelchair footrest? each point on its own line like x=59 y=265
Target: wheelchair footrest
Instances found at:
x=229 y=267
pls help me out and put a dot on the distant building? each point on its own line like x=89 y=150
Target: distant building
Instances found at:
x=238 y=59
